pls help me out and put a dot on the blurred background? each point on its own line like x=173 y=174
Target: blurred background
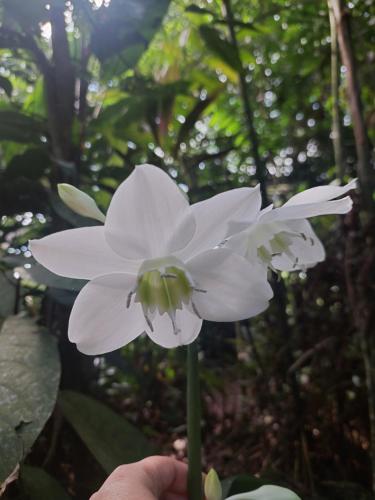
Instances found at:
x=220 y=94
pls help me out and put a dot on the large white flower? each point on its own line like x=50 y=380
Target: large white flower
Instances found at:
x=282 y=238
x=152 y=265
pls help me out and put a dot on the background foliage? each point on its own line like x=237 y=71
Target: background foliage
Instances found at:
x=219 y=94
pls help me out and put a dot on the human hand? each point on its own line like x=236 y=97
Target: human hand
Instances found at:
x=154 y=478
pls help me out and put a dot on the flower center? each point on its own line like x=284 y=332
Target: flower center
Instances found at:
x=163 y=286
x=281 y=243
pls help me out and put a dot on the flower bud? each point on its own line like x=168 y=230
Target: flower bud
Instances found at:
x=212 y=486
x=80 y=202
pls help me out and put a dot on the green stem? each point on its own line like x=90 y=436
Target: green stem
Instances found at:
x=194 y=424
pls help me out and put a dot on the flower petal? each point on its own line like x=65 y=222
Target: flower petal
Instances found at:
x=148 y=216
x=320 y=193
x=100 y=321
x=189 y=326
x=294 y=212
x=218 y=217
x=81 y=253
x=235 y=288
x=268 y=492
x=307 y=249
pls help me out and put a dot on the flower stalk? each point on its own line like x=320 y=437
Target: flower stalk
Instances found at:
x=194 y=424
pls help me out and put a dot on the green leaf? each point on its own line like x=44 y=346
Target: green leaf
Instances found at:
x=7 y=293
x=31 y=164
x=18 y=127
x=29 y=379
x=132 y=24
x=194 y=9
x=110 y=438
x=220 y=47
x=240 y=484
x=6 y=85
x=21 y=195
x=38 y=485
x=27 y=14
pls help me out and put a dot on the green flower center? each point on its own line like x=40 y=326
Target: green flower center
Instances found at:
x=164 y=286
x=280 y=244
x=164 y=290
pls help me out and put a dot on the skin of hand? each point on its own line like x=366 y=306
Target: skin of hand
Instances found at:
x=154 y=478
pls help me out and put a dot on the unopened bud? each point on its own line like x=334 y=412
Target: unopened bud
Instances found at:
x=80 y=202
x=212 y=486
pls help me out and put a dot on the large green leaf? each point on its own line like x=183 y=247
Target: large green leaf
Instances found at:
x=110 y=438
x=27 y=14
x=240 y=484
x=18 y=127
x=29 y=379
x=131 y=23
x=31 y=164
x=38 y=485
x=21 y=195
x=6 y=85
x=220 y=47
x=7 y=293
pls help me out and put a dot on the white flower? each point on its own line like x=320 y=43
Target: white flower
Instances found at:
x=213 y=491
x=152 y=267
x=80 y=202
x=268 y=492
x=282 y=238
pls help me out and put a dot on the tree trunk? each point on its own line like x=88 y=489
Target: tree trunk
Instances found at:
x=60 y=97
x=365 y=174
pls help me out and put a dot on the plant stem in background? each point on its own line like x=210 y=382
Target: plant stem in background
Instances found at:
x=336 y=121
x=194 y=424
x=244 y=89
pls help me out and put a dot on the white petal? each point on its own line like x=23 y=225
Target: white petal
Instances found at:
x=268 y=492
x=239 y=243
x=218 y=216
x=100 y=321
x=81 y=253
x=320 y=193
x=148 y=216
x=235 y=289
x=308 y=249
x=189 y=326
x=294 y=212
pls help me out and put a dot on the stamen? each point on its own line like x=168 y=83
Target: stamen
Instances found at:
x=129 y=298
x=169 y=275
x=200 y=290
x=172 y=315
x=194 y=307
x=148 y=321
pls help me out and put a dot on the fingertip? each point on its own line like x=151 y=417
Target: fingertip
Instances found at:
x=166 y=474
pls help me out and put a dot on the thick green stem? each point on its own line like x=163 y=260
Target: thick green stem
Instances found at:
x=194 y=424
